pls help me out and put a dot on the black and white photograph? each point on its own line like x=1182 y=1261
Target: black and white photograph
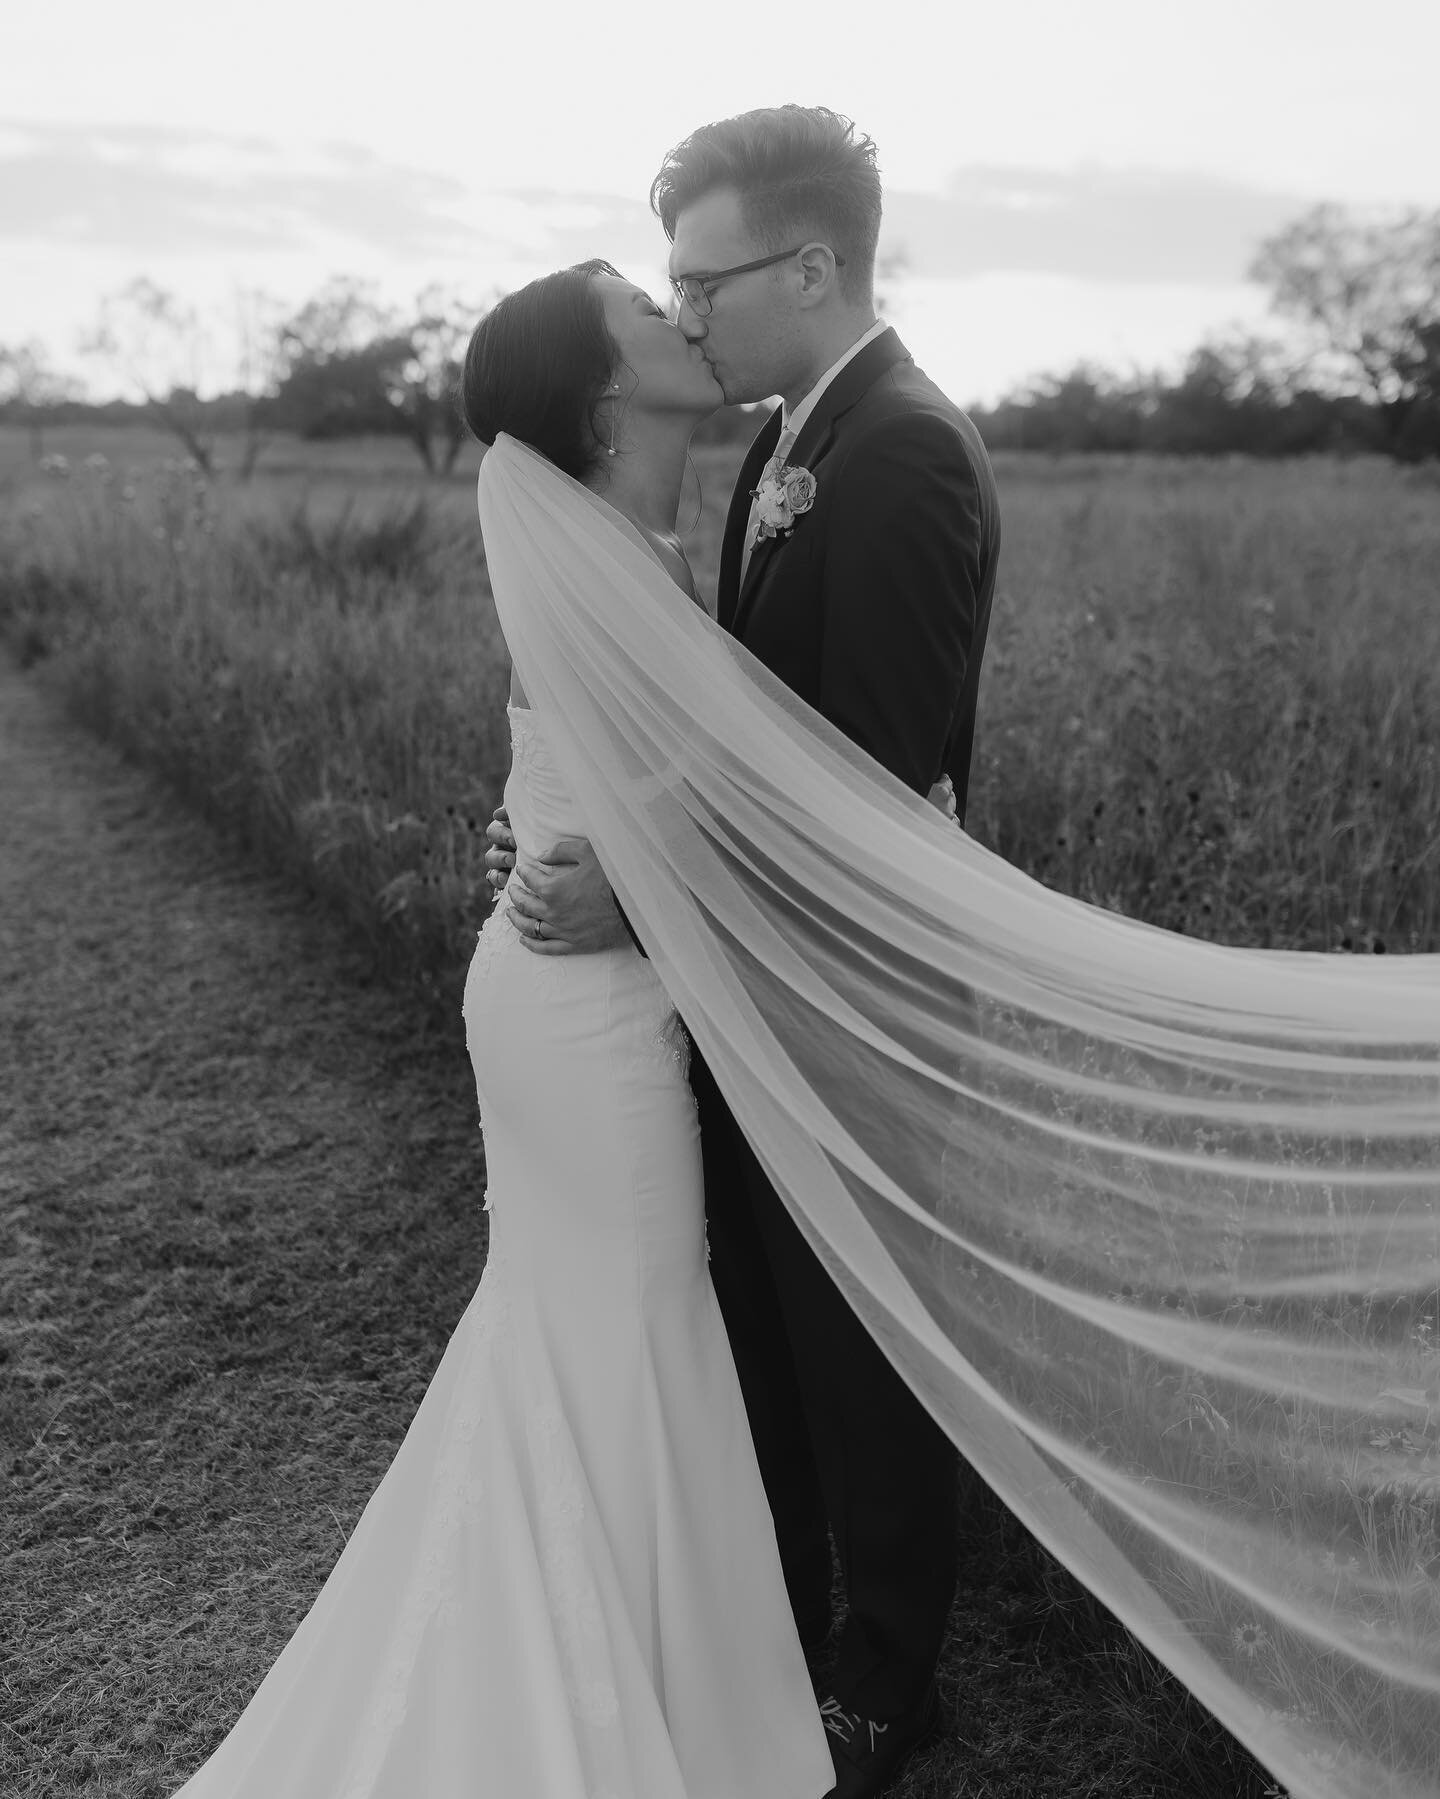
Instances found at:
x=720 y=902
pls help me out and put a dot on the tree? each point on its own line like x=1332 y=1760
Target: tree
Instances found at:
x=260 y=367
x=343 y=318
x=1229 y=397
x=438 y=339
x=1419 y=433
x=355 y=365
x=1086 y=408
x=159 y=346
x=30 y=385
x=331 y=350
x=1368 y=288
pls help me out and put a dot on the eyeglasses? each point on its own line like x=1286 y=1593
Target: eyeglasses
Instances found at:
x=694 y=290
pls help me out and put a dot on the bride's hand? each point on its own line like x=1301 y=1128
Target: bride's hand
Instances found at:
x=500 y=857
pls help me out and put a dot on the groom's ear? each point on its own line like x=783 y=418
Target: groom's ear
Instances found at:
x=818 y=274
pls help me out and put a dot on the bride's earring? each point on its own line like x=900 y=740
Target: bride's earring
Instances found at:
x=614 y=388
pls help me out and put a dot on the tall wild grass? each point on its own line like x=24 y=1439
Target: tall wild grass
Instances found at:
x=1211 y=697
x=323 y=677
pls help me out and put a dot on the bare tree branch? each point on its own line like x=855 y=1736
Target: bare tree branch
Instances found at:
x=159 y=346
x=1367 y=287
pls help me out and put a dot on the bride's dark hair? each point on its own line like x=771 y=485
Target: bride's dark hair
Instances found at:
x=538 y=364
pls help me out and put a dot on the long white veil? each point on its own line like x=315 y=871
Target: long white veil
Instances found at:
x=1151 y=1226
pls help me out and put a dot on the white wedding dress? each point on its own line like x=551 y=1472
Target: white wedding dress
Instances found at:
x=567 y=1584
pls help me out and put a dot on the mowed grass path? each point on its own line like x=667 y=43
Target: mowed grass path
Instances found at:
x=240 y=1185
x=240 y=1202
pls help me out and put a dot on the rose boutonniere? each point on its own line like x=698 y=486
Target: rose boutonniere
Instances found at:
x=782 y=496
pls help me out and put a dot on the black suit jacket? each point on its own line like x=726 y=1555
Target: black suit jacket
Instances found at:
x=875 y=608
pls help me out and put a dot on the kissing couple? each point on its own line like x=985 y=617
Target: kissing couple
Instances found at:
x=603 y=1554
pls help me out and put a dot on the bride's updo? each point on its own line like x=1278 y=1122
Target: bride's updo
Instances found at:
x=537 y=365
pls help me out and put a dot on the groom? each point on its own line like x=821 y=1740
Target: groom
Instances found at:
x=858 y=563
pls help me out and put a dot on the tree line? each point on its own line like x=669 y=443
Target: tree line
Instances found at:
x=344 y=364
x=1359 y=370
x=1359 y=367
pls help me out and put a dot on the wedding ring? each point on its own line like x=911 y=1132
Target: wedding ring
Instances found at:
x=539 y=927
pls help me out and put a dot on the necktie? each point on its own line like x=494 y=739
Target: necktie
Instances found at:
x=783 y=445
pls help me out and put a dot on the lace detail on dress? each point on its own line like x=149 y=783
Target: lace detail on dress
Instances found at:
x=489 y=941
x=497 y=939
x=524 y=728
x=550 y=971
x=673 y=1040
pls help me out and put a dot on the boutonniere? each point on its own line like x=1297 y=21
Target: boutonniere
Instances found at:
x=782 y=496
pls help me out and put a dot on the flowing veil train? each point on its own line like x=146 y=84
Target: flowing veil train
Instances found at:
x=1151 y=1226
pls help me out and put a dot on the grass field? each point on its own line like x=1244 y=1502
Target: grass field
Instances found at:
x=1211 y=693
x=1211 y=700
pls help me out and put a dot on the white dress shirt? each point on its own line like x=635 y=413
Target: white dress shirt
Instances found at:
x=793 y=423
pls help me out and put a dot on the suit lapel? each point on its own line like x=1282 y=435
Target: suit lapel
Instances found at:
x=733 y=542
x=850 y=386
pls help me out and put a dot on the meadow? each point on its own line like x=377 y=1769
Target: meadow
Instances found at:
x=1211 y=700
x=1211 y=690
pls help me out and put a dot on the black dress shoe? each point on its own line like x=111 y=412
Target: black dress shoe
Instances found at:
x=867 y=1753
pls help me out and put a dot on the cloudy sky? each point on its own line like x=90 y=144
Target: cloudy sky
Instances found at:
x=1062 y=180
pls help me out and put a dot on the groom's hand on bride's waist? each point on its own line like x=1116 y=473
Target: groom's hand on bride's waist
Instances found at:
x=566 y=894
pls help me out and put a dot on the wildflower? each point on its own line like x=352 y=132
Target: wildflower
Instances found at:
x=1249 y=1639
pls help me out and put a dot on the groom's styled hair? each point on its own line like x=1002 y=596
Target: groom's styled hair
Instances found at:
x=800 y=172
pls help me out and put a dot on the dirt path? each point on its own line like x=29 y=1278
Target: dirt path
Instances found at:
x=239 y=1215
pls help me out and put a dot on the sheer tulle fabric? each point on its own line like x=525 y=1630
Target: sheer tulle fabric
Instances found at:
x=1150 y=1225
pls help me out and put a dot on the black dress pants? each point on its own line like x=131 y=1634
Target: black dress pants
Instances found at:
x=839 y=1436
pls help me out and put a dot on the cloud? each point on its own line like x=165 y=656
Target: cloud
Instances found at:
x=150 y=190
x=158 y=189
x=1094 y=224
